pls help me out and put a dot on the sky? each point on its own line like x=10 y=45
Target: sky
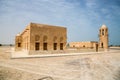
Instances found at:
x=82 y=18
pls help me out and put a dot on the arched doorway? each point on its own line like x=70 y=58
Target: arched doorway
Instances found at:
x=61 y=46
x=55 y=46
x=102 y=44
x=45 y=43
x=55 y=43
x=37 y=44
x=61 y=43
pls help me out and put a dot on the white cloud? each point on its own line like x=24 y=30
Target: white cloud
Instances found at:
x=80 y=18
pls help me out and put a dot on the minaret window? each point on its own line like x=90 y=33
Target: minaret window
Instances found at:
x=102 y=45
x=103 y=32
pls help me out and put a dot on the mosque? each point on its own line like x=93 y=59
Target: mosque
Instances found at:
x=43 y=37
x=37 y=37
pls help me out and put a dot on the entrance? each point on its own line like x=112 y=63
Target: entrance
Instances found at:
x=44 y=46
x=19 y=44
x=37 y=45
x=96 y=47
x=102 y=45
x=55 y=46
x=61 y=46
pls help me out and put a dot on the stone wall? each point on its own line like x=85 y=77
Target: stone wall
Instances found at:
x=88 y=44
x=43 y=37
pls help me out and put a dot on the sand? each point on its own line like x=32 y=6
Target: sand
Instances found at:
x=94 y=66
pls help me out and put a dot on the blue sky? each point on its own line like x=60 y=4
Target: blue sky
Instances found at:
x=83 y=18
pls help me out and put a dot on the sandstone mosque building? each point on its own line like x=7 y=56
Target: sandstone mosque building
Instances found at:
x=103 y=41
x=37 y=37
x=42 y=37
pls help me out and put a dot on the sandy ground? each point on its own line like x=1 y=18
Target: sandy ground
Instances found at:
x=94 y=66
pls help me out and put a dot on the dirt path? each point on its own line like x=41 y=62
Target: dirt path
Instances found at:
x=102 y=66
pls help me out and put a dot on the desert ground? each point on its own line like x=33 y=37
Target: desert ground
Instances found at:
x=86 y=66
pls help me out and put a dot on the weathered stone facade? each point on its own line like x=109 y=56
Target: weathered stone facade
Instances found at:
x=103 y=41
x=89 y=44
x=103 y=37
x=38 y=37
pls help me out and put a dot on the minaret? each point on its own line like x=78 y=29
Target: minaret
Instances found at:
x=103 y=37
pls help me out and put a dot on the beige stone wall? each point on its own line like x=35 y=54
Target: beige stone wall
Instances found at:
x=35 y=36
x=40 y=34
x=26 y=38
x=88 y=44
x=22 y=40
x=18 y=41
x=103 y=40
x=47 y=34
x=103 y=37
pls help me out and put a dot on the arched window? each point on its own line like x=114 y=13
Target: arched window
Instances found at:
x=45 y=38
x=84 y=46
x=61 y=39
x=19 y=44
x=102 y=44
x=61 y=43
x=37 y=37
x=102 y=31
x=55 y=39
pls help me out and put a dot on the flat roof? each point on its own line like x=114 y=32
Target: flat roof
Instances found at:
x=45 y=25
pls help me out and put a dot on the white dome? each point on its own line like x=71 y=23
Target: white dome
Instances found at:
x=18 y=34
x=103 y=26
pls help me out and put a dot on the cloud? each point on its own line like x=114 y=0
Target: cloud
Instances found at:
x=79 y=16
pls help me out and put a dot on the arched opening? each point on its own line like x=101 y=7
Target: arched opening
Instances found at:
x=55 y=39
x=102 y=31
x=73 y=45
x=37 y=43
x=61 y=39
x=19 y=44
x=45 y=43
x=44 y=46
x=37 y=37
x=55 y=46
x=96 y=45
x=61 y=43
x=61 y=46
x=102 y=45
x=37 y=46
x=84 y=46
x=55 y=43
x=45 y=39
